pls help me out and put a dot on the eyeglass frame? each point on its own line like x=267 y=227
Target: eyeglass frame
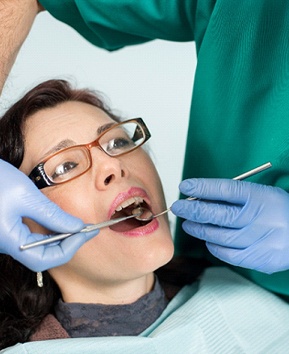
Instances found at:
x=39 y=176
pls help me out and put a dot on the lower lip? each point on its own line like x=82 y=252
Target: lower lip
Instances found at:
x=143 y=230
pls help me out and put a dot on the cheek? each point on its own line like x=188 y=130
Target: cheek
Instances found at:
x=73 y=199
x=151 y=178
x=34 y=227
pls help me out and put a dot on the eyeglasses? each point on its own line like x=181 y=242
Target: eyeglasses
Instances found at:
x=74 y=161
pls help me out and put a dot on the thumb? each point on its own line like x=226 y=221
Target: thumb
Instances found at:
x=51 y=216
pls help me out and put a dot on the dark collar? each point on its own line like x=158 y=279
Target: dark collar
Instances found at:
x=97 y=320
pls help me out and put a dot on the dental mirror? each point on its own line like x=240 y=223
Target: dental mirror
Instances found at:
x=92 y=227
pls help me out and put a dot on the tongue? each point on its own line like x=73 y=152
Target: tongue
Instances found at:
x=128 y=224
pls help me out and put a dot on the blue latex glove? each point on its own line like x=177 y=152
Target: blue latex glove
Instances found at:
x=248 y=227
x=20 y=198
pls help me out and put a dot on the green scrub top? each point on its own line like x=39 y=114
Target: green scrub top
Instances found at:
x=240 y=104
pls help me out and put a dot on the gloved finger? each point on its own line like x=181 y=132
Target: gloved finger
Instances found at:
x=44 y=257
x=205 y=212
x=19 y=235
x=51 y=216
x=236 y=192
x=246 y=258
x=226 y=237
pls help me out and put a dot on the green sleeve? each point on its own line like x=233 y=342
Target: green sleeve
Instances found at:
x=113 y=24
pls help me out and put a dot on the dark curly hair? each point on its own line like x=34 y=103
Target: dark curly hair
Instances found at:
x=23 y=305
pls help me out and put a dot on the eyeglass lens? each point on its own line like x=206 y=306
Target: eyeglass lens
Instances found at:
x=74 y=161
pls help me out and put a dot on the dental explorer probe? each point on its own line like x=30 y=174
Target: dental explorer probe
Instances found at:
x=151 y=216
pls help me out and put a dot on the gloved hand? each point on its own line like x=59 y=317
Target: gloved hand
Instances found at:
x=20 y=198
x=244 y=224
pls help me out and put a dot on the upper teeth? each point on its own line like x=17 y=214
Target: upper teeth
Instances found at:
x=128 y=202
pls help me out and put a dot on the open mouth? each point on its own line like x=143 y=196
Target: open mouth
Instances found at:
x=126 y=209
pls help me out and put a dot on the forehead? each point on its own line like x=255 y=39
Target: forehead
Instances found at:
x=67 y=120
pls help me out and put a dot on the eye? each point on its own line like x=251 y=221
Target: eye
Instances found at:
x=119 y=144
x=63 y=169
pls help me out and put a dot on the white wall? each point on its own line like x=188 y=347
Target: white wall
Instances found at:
x=152 y=80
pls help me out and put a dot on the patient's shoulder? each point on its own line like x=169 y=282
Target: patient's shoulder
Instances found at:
x=49 y=328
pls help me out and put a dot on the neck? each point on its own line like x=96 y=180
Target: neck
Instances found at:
x=114 y=293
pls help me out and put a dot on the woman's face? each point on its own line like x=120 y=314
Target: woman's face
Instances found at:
x=113 y=256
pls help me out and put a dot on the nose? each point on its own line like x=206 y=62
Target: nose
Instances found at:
x=107 y=169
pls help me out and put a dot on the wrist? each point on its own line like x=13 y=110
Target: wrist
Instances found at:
x=40 y=7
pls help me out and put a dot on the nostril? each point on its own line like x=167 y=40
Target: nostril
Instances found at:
x=113 y=176
x=107 y=180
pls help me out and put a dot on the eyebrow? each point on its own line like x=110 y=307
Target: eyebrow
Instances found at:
x=61 y=145
x=68 y=142
x=104 y=127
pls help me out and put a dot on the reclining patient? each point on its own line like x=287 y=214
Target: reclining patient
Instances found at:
x=122 y=291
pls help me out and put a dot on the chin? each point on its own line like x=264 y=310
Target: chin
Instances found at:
x=158 y=257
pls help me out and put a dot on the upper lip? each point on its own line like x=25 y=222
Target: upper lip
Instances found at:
x=124 y=199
